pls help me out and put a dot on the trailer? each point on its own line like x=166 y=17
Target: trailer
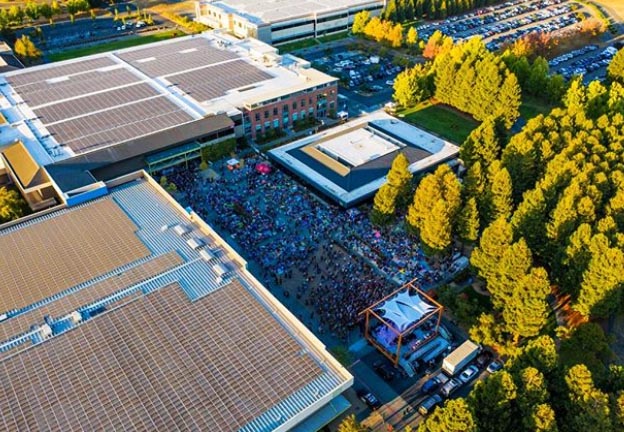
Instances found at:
x=460 y=357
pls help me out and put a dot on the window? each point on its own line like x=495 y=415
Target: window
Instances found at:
x=303 y=114
x=275 y=111
x=295 y=115
x=285 y=108
x=258 y=127
x=257 y=116
x=295 y=105
x=310 y=101
x=302 y=103
x=276 y=124
x=266 y=114
x=267 y=125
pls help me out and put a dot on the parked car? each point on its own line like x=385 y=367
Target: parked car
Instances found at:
x=450 y=387
x=484 y=359
x=390 y=82
x=495 y=366
x=434 y=383
x=369 y=399
x=429 y=404
x=384 y=371
x=468 y=374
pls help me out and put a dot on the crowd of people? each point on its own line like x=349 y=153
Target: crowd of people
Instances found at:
x=334 y=261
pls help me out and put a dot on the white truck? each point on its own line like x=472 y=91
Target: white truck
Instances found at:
x=460 y=357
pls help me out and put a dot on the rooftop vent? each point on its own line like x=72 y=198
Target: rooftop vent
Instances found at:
x=181 y=229
x=196 y=243
x=206 y=255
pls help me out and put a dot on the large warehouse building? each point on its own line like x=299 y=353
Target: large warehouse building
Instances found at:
x=67 y=127
x=128 y=312
x=278 y=21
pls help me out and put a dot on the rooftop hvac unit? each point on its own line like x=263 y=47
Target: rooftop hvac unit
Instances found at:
x=74 y=317
x=195 y=243
x=220 y=269
x=206 y=255
x=45 y=331
x=181 y=229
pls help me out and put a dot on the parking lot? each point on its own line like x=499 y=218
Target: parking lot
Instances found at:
x=507 y=22
x=590 y=61
x=366 y=81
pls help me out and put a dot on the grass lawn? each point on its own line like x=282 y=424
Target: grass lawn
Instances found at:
x=440 y=120
x=115 y=45
x=532 y=107
x=307 y=43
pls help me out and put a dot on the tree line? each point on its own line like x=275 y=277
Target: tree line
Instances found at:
x=466 y=76
x=407 y=10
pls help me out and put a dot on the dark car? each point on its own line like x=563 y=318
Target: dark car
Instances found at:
x=384 y=371
x=429 y=404
x=369 y=399
x=484 y=359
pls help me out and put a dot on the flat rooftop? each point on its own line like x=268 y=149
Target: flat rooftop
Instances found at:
x=271 y=11
x=66 y=109
x=349 y=163
x=130 y=312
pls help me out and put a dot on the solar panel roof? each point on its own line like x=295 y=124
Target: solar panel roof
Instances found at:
x=214 y=81
x=170 y=348
x=176 y=56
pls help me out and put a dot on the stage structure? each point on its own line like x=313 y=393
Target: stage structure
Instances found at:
x=404 y=326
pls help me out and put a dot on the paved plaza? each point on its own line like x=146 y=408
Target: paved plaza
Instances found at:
x=326 y=263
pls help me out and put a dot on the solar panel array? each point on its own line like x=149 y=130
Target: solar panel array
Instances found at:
x=87 y=294
x=91 y=103
x=27 y=77
x=176 y=57
x=94 y=103
x=158 y=363
x=45 y=92
x=50 y=256
x=119 y=124
x=214 y=81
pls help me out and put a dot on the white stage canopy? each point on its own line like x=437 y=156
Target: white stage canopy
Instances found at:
x=404 y=309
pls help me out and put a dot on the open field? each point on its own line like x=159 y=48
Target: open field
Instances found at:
x=115 y=45
x=614 y=7
x=441 y=120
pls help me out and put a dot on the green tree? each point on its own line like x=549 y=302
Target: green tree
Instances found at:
x=486 y=331
x=390 y=11
x=587 y=344
x=436 y=231
x=494 y=242
x=412 y=37
x=25 y=49
x=16 y=14
x=384 y=205
x=542 y=419
x=11 y=205
x=350 y=424
x=589 y=407
x=615 y=70
x=46 y=11
x=492 y=402
x=32 y=11
x=455 y=416
x=532 y=390
x=526 y=311
x=601 y=289
x=400 y=177
x=359 y=22
x=469 y=221
x=499 y=193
